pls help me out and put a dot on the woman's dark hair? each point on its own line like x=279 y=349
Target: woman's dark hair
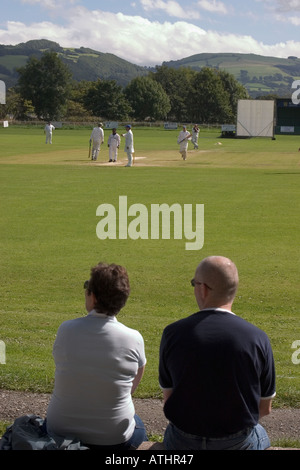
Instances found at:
x=110 y=285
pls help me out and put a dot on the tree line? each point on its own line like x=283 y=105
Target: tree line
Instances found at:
x=45 y=89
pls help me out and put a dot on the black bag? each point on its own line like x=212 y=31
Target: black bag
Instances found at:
x=30 y=433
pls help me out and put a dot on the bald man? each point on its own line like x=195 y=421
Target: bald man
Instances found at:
x=216 y=370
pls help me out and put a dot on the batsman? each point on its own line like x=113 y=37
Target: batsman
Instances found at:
x=183 y=141
x=97 y=138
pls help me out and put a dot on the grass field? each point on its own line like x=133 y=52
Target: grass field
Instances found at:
x=48 y=242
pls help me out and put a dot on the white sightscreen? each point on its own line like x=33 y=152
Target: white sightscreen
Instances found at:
x=2 y=92
x=255 y=118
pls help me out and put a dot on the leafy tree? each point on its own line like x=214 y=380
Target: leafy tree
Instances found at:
x=46 y=82
x=235 y=90
x=79 y=90
x=207 y=95
x=16 y=106
x=147 y=98
x=75 y=111
x=209 y=101
x=105 y=98
x=75 y=107
x=268 y=97
x=177 y=85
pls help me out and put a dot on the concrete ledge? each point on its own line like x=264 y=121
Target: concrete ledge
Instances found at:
x=148 y=445
x=282 y=448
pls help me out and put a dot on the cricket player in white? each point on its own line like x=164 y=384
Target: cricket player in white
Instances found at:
x=129 y=147
x=183 y=141
x=49 y=128
x=113 y=144
x=97 y=136
x=195 y=135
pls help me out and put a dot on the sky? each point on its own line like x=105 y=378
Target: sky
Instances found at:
x=149 y=32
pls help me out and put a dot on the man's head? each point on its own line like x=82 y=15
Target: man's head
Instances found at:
x=128 y=127
x=114 y=131
x=216 y=282
x=108 y=289
x=100 y=124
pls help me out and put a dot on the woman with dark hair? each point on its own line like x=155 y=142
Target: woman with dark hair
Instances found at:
x=99 y=363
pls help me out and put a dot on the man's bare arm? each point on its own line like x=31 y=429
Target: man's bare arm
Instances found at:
x=167 y=393
x=265 y=407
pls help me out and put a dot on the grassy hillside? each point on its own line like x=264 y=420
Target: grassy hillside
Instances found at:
x=85 y=64
x=260 y=75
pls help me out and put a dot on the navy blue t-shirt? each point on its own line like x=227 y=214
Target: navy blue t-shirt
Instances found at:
x=219 y=367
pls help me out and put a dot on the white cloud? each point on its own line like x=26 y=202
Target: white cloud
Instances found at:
x=287 y=5
x=213 y=6
x=294 y=20
x=283 y=6
x=172 y=8
x=17 y=32
x=37 y=2
x=282 y=9
x=53 y=6
x=49 y=3
x=139 y=40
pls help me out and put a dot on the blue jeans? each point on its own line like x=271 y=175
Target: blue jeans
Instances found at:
x=251 y=439
x=139 y=435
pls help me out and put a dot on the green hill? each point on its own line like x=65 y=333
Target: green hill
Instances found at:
x=260 y=75
x=84 y=63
